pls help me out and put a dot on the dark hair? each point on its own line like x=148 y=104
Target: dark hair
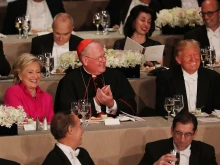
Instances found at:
x=60 y=123
x=129 y=25
x=184 y=117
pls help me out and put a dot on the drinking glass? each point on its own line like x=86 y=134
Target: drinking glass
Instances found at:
x=178 y=103
x=211 y=56
x=75 y=108
x=19 y=25
x=204 y=56
x=169 y=106
x=177 y=155
x=105 y=19
x=97 y=21
x=84 y=108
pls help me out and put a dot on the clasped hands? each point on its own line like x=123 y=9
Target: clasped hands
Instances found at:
x=104 y=96
x=166 y=160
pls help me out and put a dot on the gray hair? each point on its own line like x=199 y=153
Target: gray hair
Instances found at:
x=64 y=17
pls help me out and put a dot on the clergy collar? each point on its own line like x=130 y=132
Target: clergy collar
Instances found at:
x=90 y=73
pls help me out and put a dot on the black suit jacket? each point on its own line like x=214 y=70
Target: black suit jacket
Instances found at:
x=57 y=157
x=171 y=82
x=18 y=8
x=201 y=153
x=169 y=4
x=118 y=10
x=44 y=44
x=199 y=34
x=7 y=162
x=4 y=65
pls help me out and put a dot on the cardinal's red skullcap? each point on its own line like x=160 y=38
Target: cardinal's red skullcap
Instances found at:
x=82 y=45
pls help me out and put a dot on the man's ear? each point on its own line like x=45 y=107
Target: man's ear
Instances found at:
x=171 y=131
x=178 y=60
x=70 y=129
x=195 y=134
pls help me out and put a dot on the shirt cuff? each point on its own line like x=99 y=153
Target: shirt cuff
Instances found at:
x=97 y=107
x=113 y=109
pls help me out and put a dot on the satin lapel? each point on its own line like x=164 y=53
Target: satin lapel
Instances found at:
x=47 y=47
x=194 y=156
x=179 y=86
x=204 y=40
x=62 y=155
x=202 y=88
x=22 y=8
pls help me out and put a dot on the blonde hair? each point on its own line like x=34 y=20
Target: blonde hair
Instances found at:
x=184 y=44
x=21 y=63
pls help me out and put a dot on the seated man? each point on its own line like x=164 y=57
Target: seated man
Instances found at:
x=4 y=65
x=107 y=89
x=209 y=33
x=7 y=162
x=58 y=42
x=183 y=131
x=67 y=131
x=41 y=13
x=199 y=86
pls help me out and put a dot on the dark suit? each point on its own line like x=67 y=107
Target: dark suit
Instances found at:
x=169 y=4
x=201 y=153
x=7 y=162
x=57 y=157
x=171 y=82
x=4 y=65
x=118 y=10
x=199 y=34
x=18 y=8
x=44 y=44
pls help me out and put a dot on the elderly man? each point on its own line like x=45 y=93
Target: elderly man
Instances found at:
x=4 y=65
x=199 y=86
x=67 y=131
x=192 y=152
x=60 y=41
x=107 y=89
x=41 y=12
x=209 y=33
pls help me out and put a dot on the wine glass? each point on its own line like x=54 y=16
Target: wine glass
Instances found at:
x=168 y=106
x=204 y=56
x=176 y=154
x=84 y=108
x=75 y=108
x=211 y=56
x=178 y=103
x=105 y=19
x=19 y=25
x=97 y=21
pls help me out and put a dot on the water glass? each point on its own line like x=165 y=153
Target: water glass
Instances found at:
x=85 y=109
x=204 y=56
x=97 y=21
x=75 y=109
x=177 y=155
x=19 y=25
x=178 y=103
x=211 y=56
x=169 y=106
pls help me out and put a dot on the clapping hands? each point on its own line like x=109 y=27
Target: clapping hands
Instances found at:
x=104 y=96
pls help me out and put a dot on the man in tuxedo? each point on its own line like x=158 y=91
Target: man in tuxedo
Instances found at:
x=4 y=65
x=60 y=41
x=41 y=12
x=8 y=162
x=209 y=33
x=67 y=131
x=199 y=86
x=191 y=152
x=107 y=89
x=119 y=10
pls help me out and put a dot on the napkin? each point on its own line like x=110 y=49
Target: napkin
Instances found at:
x=2 y=35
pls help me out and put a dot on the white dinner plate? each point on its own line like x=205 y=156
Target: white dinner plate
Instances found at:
x=112 y=30
x=203 y=114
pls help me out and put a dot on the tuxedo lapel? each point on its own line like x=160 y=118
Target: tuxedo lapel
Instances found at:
x=22 y=8
x=194 y=156
x=63 y=157
x=124 y=9
x=204 y=40
x=47 y=47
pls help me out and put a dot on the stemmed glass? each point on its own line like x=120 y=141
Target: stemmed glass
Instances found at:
x=75 y=108
x=204 y=56
x=84 y=108
x=97 y=21
x=211 y=56
x=169 y=106
x=178 y=103
x=19 y=25
x=105 y=19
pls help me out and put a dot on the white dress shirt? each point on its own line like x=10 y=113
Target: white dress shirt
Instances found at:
x=70 y=153
x=40 y=15
x=191 y=89
x=184 y=155
x=214 y=41
x=132 y=5
x=187 y=4
x=57 y=51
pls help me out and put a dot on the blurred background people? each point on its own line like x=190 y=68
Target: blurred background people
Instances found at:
x=4 y=65
x=139 y=26
x=183 y=131
x=26 y=92
x=60 y=41
x=199 y=86
x=67 y=131
x=107 y=89
x=119 y=10
x=209 y=33
x=41 y=13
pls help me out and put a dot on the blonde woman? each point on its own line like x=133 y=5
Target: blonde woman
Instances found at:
x=26 y=92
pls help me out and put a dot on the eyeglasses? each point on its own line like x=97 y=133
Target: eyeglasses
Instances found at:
x=100 y=58
x=180 y=134
x=209 y=13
